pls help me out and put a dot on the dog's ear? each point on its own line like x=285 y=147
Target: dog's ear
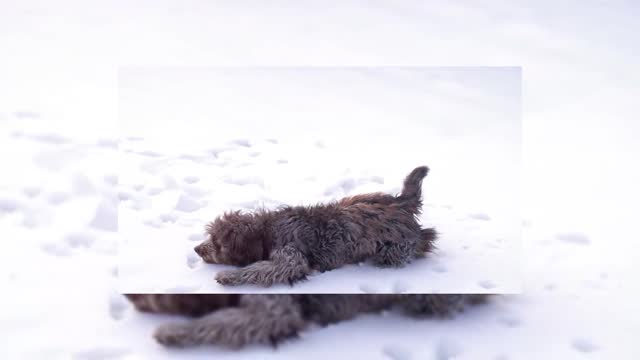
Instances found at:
x=240 y=237
x=246 y=239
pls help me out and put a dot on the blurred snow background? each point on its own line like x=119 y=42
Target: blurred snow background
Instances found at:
x=201 y=141
x=59 y=64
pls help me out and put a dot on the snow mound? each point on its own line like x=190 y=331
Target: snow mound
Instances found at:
x=196 y=237
x=26 y=115
x=105 y=217
x=108 y=143
x=368 y=289
x=396 y=353
x=187 y=204
x=584 y=345
x=82 y=186
x=80 y=239
x=191 y=179
x=487 y=284
x=244 y=180
x=32 y=191
x=242 y=142
x=573 y=238
x=55 y=248
x=480 y=216
x=193 y=259
x=447 y=349
x=9 y=204
x=57 y=198
x=51 y=138
x=111 y=179
x=400 y=287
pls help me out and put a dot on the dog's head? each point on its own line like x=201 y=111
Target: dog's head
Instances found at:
x=234 y=239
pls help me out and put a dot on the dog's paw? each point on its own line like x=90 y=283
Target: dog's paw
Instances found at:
x=276 y=339
x=173 y=335
x=228 y=277
x=298 y=278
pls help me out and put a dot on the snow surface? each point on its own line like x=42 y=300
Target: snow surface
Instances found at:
x=580 y=84
x=307 y=138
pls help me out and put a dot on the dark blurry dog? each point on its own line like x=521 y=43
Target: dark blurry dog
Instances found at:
x=285 y=245
x=239 y=320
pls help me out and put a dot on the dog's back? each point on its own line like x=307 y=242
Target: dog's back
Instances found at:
x=410 y=196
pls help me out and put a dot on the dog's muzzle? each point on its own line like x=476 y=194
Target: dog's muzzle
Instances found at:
x=204 y=252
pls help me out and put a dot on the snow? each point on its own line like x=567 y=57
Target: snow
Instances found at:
x=574 y=238
x=580 y=85
x=76 y=239
x=106 y=217
x=584 y=345
x=9 y=205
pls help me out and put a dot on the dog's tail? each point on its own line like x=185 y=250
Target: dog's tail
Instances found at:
x=426 y=241
x=411 y=193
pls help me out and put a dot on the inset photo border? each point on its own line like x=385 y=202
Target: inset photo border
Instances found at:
x=320 y=180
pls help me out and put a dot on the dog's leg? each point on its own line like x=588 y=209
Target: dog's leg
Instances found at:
x=326 y=309
x=287 y=265
x=182 y=304
x=440 y=305
x=426 y=242
x=260 y=319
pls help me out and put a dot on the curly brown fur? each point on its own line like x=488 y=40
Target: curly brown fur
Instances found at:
x=286 y=245
x=273 y=318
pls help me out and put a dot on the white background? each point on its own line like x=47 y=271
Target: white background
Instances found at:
x=580 y=86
